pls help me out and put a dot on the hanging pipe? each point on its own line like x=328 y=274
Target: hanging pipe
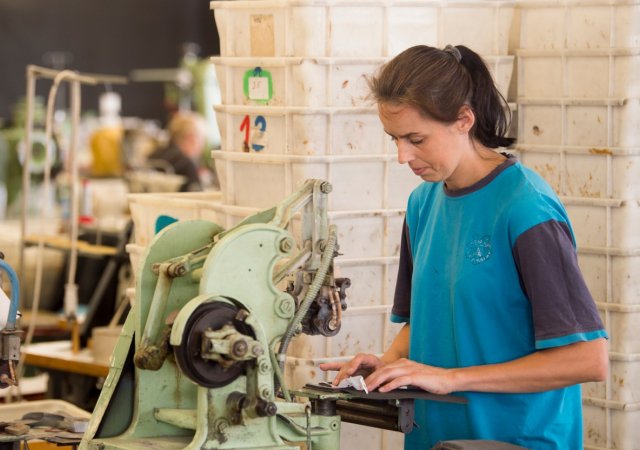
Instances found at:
x=15 y=295
x=314 y=288
x=71 y=288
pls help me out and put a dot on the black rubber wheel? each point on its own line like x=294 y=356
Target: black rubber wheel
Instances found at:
x=210 y=374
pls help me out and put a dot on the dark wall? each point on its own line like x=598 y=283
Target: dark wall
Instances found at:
x=107 y=36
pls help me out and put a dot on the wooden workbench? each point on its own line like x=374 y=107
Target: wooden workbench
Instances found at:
x=64 y=243
x=58 y=356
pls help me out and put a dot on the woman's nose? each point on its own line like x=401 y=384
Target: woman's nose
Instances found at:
x=405 y=153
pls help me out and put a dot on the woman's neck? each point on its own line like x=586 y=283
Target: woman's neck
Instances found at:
x=477 y=162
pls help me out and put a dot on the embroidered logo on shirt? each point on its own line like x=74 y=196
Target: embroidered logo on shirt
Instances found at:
x=479 y=249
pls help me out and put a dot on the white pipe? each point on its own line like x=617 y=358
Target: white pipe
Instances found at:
x=71 y=289
x=31 y=91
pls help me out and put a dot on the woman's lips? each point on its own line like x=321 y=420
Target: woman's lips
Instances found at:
x=418 y=170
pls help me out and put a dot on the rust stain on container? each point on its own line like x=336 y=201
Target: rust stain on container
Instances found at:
x=537 y=131
x=345 y=83
x=600 y=151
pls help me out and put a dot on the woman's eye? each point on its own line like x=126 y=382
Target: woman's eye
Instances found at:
x=416 y=142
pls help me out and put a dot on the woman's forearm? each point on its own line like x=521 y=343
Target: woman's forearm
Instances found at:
x=399 y=347
x=543 y=370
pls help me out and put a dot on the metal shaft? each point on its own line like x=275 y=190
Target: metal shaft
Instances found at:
x=369 y=420
x=379 y=409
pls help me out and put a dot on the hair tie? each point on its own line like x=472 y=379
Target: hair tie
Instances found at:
x=453 y=51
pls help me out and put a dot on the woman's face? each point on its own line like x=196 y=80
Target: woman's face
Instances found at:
x=432 y=149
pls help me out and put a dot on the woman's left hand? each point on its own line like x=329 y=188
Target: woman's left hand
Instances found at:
x=404 y=372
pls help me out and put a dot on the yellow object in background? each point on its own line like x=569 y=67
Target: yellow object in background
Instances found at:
x=106 y=149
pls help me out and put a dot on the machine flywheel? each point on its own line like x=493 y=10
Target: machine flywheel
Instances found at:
x=204 y=372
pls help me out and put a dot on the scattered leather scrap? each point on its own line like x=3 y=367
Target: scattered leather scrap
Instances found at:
x=17 y=429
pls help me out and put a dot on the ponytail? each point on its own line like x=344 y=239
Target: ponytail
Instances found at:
x=488 y=104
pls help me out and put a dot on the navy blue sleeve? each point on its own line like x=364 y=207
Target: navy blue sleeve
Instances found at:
x=563 y=310
x=401 y=309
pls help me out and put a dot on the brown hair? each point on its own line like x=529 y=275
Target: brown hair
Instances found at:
x=439 y=82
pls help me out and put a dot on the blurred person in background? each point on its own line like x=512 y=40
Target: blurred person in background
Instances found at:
x=187 y=140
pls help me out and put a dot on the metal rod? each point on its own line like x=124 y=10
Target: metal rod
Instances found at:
x=84 y=78
x=386 y=423
x=296 y=261
x=380 y=408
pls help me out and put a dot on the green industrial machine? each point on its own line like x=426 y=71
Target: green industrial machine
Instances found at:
x=199 y=363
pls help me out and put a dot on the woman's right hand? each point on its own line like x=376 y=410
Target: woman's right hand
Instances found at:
x=361 y=364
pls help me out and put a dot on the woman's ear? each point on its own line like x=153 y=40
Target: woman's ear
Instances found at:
x=466 y=119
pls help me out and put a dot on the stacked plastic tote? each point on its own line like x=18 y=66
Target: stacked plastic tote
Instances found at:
x=579 y=126
x=294 y=106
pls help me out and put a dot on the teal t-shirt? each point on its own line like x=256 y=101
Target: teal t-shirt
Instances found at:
x=493 y=277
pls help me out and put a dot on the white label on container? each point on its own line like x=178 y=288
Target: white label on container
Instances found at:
x=258 y=88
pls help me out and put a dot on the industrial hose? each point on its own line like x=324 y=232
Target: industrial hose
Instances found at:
x=314 y=288
x=15 y=295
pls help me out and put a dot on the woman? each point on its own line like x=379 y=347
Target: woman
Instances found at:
x=489 y=288
x=187 y=133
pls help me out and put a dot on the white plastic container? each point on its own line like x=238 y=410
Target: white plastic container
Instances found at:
x=373 y=280
x=152 y=181
x=598 y=73
x=622 y=323
x=624 y=370
x=285 y=28
x=301 y=130
x=603 y=223
x=136 y=252
x=300 y=371
x=103 y=342
x=373 y=28
x=298 y=81
x=610 y=426
x=147 y=208
x=366 y=236
x=598 y=123
x=316 y=82
x=501 y=69
x=370 y=182
x=589 y=172
x=612 y=275
x=579 y=25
